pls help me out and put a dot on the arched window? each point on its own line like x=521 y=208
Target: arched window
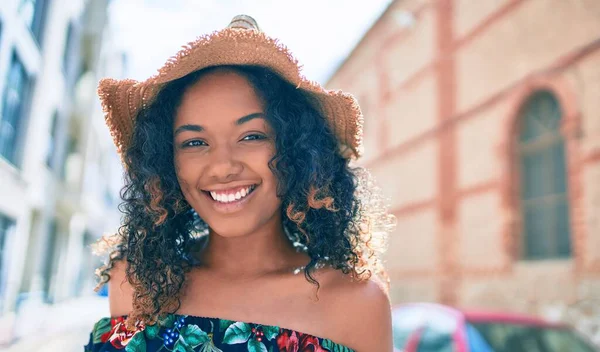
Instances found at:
x=543 y=174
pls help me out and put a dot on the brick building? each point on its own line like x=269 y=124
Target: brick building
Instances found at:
x=482 y=125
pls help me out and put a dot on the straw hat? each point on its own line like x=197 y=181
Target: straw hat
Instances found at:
x=240 y=43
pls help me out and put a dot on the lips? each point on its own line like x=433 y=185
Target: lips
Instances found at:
x=231 y=195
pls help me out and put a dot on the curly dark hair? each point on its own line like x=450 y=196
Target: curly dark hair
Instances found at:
x=326 y=203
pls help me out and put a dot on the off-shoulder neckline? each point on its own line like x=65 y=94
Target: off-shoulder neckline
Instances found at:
x=201 y=317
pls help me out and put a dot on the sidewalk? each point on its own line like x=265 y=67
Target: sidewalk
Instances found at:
x=62 y=327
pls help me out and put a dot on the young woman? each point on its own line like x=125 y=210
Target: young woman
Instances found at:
x=245 y=228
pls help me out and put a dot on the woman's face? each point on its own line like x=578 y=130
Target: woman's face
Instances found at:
x=222 y=146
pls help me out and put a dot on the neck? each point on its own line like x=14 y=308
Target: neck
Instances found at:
x=265 y=251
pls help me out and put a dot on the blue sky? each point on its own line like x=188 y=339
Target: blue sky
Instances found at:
x=320 y=33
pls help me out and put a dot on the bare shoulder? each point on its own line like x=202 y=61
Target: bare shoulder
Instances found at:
x=120 y=292
x=361 y=310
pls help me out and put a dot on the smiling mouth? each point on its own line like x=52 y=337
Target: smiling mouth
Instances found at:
x=231 y=195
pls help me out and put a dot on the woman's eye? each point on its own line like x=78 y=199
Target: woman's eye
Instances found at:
x=254 y=137
x=194 y=143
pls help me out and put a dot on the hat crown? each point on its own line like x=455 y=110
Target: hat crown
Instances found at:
x=243 y=22
x=240 y=43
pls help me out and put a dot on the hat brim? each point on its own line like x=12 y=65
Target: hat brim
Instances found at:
x=123 y=99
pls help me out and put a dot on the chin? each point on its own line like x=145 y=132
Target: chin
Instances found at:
x=229 y=231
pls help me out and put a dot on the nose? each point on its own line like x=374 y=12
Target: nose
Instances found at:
x=223 y=165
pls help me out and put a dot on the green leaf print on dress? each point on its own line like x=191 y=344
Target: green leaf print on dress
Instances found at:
x=100 y=328
x=334 y=347
x=237 y=333
x=137 y=343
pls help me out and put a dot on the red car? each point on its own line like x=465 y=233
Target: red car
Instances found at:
x=428 y=327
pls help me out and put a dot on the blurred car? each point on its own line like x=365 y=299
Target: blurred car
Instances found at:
x=428 y=327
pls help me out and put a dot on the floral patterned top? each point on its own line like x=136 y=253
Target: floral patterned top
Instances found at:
x=186 y=333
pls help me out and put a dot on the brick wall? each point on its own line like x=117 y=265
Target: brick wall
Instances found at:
x=441 y=101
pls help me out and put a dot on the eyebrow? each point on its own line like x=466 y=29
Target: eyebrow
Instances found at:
x=243 y=120
x=197 y=128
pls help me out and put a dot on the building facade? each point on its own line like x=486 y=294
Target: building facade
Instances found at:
x=58 y=182
x=482 y=126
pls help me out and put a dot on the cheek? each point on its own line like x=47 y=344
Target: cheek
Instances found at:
x=271 y=182
x=260 y=163
x=187 y=172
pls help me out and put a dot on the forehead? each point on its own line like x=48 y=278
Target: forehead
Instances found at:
x=220 y=93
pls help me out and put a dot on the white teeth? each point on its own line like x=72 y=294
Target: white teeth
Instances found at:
x=226 y=198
